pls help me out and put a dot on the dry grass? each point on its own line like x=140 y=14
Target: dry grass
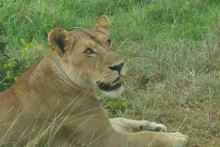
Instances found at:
x=171 y=47
x=182 y=91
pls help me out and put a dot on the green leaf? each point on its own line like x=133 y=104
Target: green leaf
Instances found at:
x=12 y=64
x=30 y=46
x=8 y=72
x=146 y=78
x=23 y=52
x=15 y=78
x=23 y=42
x=5 y=66
x=118 y=104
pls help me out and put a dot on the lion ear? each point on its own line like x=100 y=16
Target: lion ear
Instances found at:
x=103 y=25
x=60 y=41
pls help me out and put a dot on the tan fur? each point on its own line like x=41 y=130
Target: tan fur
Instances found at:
x=54 y=102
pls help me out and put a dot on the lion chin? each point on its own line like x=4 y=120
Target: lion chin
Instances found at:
x=114 y=93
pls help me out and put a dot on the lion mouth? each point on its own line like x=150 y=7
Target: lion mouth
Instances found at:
x=110 y=86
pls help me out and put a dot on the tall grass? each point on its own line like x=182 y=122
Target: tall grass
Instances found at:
x=171 y=47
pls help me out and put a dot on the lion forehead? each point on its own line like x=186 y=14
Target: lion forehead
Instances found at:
x=90 y=34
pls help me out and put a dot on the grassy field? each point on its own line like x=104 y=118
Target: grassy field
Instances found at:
x=172 y=49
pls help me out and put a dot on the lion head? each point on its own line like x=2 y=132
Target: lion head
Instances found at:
x=88 y=58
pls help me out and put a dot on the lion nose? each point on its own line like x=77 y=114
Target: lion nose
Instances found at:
x=117 y=67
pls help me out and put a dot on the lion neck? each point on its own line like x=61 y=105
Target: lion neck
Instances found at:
x=53 y=64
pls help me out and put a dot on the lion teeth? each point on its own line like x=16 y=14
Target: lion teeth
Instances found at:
x=120 y=79
x=111 y=84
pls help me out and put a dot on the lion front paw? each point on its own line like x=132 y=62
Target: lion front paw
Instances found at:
x=128 y=125
x=178 y=139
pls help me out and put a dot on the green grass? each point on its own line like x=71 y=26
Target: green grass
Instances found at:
x=171 y=47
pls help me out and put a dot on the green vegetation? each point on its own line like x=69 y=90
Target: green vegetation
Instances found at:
x=172 y=48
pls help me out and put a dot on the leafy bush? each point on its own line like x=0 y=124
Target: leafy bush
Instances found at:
x=12 y=66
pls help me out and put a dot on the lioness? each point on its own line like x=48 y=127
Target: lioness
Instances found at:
x=54 y=103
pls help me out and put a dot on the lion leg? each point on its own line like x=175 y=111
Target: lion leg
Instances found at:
x=128 y=125
x=155 y=139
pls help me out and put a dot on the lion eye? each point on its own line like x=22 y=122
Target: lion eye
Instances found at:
x=109 y=42
x=89 y=51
